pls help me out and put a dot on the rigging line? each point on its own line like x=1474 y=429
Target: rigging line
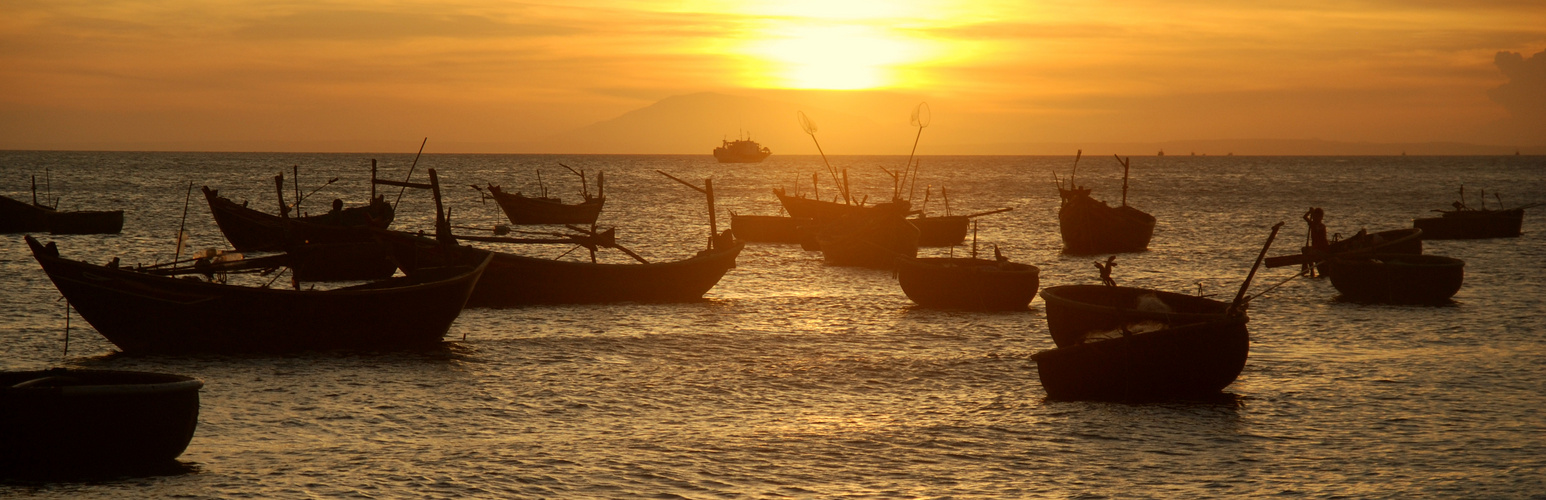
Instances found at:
x=410 y=174
x=1273 y=287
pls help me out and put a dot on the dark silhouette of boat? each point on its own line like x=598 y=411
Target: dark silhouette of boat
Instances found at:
x=516 y=280
x=1134 y=344
x=818 y=211
x=873 y=237
x=741 y=151
x=543 y=209
x=250 y=230
x=1403 y=241
x=22 y=217
x=766 y=228
x=94 y=419
x=941 y=230
x=1466 y=223
x=1089 y=226
x=141 y=311
x=969 y=283
x=1394 y=278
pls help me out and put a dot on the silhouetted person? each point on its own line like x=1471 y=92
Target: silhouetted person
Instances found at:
x=338 y=205
x=1318 y=241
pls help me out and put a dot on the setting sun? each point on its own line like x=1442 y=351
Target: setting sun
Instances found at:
x=840 y=57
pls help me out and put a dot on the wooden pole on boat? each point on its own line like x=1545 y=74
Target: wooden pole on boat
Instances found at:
x=707 y=190
x=410 y=174
x=34 y=190
x=921 y=118
x=279 y=187
x=810 y=129
x=1077 y=154
x=442 y=225
x=182 y=226
x=297 y=182
x=1125 y=164
x=1240 y=297
x=372 y=180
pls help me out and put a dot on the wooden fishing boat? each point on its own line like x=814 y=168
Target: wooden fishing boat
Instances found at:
x=1403 y=241
x=766 y=228
x=816 y=210
x=968 y=283
x=873 y=238
x=941 y=231
x=1395 y=278
x=522 y=209
x=250 y=230
x=1089 y=226
x=1133 y=344
x=143 y=312
x=22 y=217
x=94 y=418
x=341 y=261
x=515 y=280
x=1469 y=224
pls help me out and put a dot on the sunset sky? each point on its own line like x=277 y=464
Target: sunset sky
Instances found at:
x=507 y=76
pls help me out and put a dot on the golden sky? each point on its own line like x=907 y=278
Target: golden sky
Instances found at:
x=485 y=75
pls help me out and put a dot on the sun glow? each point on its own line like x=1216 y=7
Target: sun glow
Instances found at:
x=833 y=57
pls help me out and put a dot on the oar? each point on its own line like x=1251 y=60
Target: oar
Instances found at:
x=1240 y=297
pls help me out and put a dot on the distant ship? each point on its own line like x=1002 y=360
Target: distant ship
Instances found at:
x=741 y=151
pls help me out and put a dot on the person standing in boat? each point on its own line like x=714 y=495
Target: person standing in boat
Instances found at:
x=1320 y=247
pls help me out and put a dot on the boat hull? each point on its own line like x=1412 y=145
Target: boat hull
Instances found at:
x=1472 y=224
x=1075 y=310
x=766 y=228
x=875 y=241
x=250 y=230
x=967 y=283
x=95 y=418
x=525 y=210
x=514 y=280
x=1396 y=278
x=142 y=313
x=341 y=261
x=1091 y=227
x=22 y=217
x=943 y=231
x=1190 y=361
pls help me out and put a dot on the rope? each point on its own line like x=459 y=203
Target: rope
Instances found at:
x=1273 y=287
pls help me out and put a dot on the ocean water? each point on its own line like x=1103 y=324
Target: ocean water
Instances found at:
x=799 y=380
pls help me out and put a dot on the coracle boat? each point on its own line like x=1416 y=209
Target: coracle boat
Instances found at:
x=21 y=217
x=741 y=151
x=1395 y=278
x=145 y=312
x=1134 y=344
x=95 y=418
x=968 y=283
x=1466 y=223
x=1089 y=226
x=542 y=209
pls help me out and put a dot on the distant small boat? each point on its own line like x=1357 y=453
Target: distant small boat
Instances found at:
x=1396 y=278
x=57 y=418
x=544 y=209
x=22 y=217
x=968 y=283
x=1472 y=224
x=741 y=151
x=1089 y=226
x=140 y=311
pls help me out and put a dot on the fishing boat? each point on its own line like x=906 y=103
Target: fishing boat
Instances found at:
x=872 y=238
x=17 y=216
x=517 y=280
x=1089 y=226
x=1136 y=344
x=544 y=209
x=741 y=151
x=74 y=418
x=766 y=228
x=1395 y=278
x=1466 y=223
x=514 y=280
x=969 y=283
x=140 y=311
x=816 y=210
x=1403 y=241
x=251 y=230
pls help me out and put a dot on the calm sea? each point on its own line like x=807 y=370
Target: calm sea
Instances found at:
x=799 y=380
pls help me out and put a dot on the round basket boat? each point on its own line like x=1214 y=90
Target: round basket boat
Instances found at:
x=1396 y=278
x=95 y=417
